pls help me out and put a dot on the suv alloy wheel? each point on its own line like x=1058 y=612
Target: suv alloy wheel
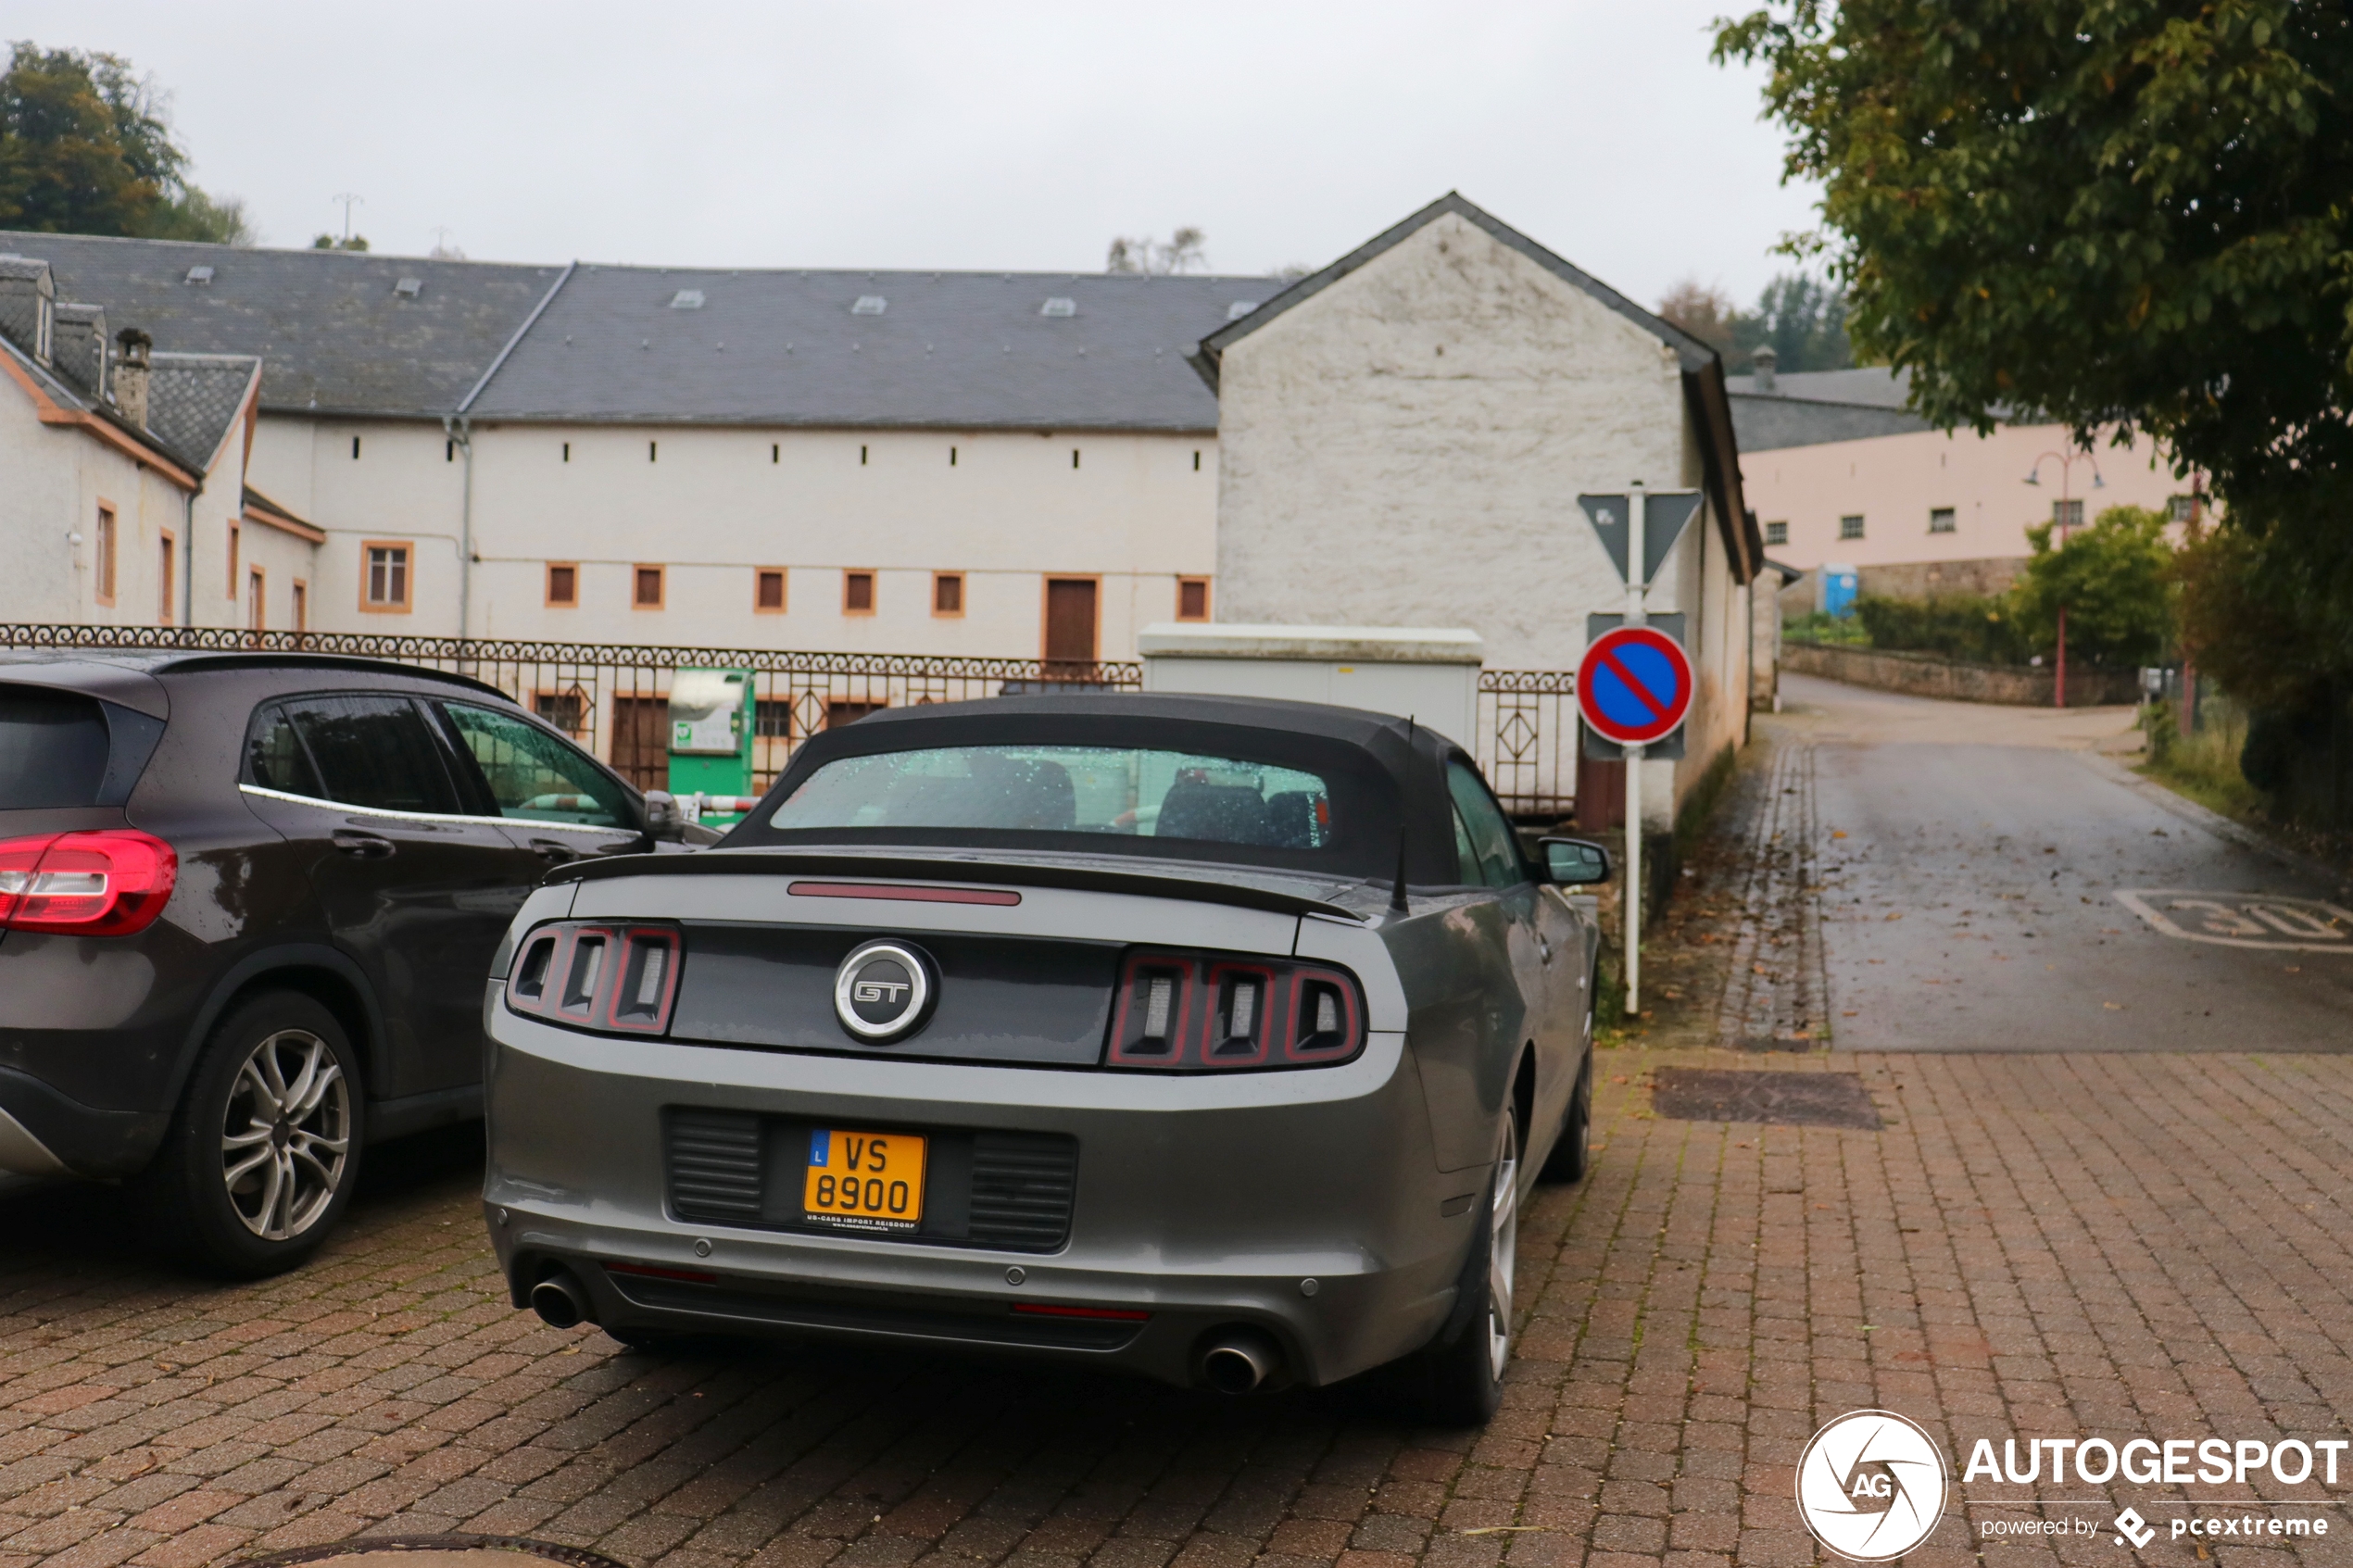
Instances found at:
x=265 y=1149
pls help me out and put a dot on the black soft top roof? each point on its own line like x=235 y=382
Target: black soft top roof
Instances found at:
x=1402 y=763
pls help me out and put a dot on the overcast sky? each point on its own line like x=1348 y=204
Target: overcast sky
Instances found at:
x=1017 y=136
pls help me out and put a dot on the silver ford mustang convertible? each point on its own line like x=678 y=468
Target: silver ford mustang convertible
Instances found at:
x=1215 y=1038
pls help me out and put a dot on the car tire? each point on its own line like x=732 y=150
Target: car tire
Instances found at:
x=264 y=1150
x=1572 y=1154
x=1457 y=1379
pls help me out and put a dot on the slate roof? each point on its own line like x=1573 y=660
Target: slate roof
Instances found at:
x=331 y=328
x=194 y=398
x=953 y=350
x=949 y=350
x=1810 y=408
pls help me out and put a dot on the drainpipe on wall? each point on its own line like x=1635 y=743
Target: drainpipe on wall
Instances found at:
x=187 y=557
x=458 y=429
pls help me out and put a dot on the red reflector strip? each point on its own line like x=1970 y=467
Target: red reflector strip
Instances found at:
x=905 y=895
x=690 y=1276
x=1113 y=1315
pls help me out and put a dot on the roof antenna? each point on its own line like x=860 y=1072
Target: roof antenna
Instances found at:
x=1397 y=889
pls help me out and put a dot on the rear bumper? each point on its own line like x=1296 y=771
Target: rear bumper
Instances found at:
x=91 y=1039
x=47 y=1133
x=1206 y=1203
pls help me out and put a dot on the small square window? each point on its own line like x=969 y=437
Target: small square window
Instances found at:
x=1941 y=519
x=2178 y=509
x=947 y=592
x=563 y=584
x=385 y=578
x=2068 y=514
x=1777 y=533
x=858 y=593
x=648 y=586
x=1192 y=598
x=768 y=590
x=1850 y=527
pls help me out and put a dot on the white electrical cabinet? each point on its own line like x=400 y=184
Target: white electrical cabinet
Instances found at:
x=1429 y=674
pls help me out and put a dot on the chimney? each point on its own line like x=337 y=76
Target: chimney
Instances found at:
x=28 y=301
x=131 y=375
x=1764 y=359
x=78 y=343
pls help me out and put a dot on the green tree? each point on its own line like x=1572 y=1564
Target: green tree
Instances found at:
x=85 y=149
x=2115 y=578
x=1803 y=318
x=2127 y=213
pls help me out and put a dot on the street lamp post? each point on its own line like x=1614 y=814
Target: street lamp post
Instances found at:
x=2064 y=517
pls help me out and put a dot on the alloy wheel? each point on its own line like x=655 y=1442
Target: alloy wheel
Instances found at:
x=1503 y=1248
x=286 y=1140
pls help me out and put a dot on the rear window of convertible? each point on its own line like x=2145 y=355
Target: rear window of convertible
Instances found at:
x=1138 y=799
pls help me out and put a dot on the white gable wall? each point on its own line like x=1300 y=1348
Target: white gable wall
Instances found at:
x=58 y=478
x=1405 y=448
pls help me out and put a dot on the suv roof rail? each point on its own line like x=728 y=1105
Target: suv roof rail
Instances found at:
x=193 y=663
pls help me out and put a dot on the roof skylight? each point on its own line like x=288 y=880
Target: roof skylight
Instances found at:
x=870 y=305
x=199 y=274
x=687 y=299
x=408 y=288
x=1059 y=306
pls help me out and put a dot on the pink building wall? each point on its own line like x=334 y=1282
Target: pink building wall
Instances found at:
x=1895 y=482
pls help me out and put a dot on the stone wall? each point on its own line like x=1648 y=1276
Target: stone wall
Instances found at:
x=1924 y=674
x=1933 y=579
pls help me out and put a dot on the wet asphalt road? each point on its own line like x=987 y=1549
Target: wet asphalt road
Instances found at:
x=1991 y=882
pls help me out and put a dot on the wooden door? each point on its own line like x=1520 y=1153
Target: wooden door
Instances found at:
x=1601 y=795
x=641 y=740
x=1070 y=625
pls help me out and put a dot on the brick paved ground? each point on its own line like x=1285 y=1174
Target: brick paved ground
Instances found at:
x=2036 y=1244
x=2033 y=1246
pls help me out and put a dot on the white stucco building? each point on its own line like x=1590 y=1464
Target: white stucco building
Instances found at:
x=980 y=464
x=1405 y=434
x=1001 y=464
x=112 y=457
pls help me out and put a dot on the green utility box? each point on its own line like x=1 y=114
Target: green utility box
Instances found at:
x=712 y=726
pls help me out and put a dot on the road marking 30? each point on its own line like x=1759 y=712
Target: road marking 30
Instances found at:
x=2242 y=920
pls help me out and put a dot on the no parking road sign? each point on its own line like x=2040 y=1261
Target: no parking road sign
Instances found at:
x=1634 y=686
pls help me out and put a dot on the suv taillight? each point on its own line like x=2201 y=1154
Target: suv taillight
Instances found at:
x=106 y=882
x=592 y=975
x=1200 y=1012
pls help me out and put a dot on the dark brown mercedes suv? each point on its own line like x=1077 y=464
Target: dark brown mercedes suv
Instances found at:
x=248 y=905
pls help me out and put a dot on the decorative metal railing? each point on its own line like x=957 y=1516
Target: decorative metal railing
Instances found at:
x=612 y=697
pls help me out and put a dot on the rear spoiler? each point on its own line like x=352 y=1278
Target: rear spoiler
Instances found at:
x=924 y=868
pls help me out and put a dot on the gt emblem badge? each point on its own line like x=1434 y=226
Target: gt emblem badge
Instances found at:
x=882 y=992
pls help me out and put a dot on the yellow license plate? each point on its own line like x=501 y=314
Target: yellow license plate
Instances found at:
x=864 y=1181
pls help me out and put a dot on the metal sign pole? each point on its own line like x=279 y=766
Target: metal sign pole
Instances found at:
x=1637 y=614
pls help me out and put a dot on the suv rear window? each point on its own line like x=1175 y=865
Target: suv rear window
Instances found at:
x=53 y=749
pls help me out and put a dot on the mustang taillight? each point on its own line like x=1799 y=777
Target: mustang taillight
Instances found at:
x=598 y=974
x=106 y=882
x=1187 y=1012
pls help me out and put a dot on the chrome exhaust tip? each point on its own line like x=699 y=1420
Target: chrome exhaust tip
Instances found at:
x=559 y=1301
x=1240 y=1361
